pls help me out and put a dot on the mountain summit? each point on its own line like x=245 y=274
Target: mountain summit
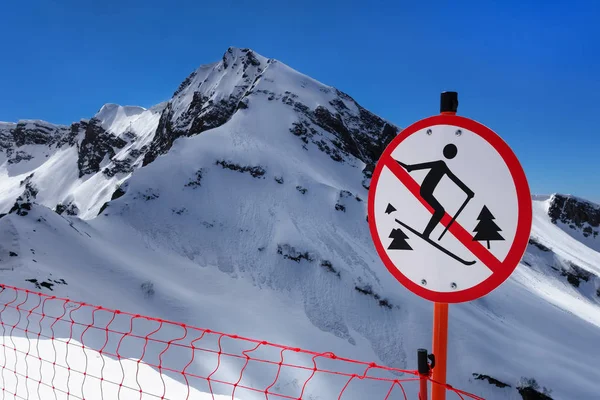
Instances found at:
x=91 y=157
x=239 y=205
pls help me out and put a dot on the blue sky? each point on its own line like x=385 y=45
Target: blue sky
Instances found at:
x=527 y=69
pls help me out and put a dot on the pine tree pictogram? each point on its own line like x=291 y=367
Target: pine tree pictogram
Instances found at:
x=486 y=228
x=399 y=242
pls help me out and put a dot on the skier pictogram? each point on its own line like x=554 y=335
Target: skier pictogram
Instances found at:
x=449 y=209
x=486 y=228
x=437 y=170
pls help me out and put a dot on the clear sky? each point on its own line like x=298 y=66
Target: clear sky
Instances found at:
x=530 y=70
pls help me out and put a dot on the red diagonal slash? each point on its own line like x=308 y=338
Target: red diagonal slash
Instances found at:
x=456 y=229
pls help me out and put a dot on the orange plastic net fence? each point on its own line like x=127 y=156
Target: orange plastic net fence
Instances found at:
x=56 y=348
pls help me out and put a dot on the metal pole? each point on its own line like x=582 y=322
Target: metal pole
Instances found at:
x=423 y=373
x=440 y=350
x=448 y=105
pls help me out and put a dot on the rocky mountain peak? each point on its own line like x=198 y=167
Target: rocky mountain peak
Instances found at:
x=210 y=96
x=245 y=57
x=119 y=139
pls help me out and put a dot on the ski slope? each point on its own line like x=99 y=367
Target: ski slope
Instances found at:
x=252 y=229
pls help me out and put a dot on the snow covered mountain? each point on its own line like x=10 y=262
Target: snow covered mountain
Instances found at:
x=241 y=203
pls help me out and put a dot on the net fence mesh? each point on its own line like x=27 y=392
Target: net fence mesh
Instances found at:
x=57 y=348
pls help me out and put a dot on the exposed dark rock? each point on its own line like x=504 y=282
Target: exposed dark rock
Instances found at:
x=119 y=192
x=301 y=189
x=185 y=83
x=575 y=274
x=24 y=202
x=279 y=179
x=214 y=116
x=529 y=389
x=298 y=129
x=147 y=288
x=149 y=194
x=250 y=59
x=367 y=290
x=163 y=138
x=34 y=133
x=364 y=136
x=48 y=283
x=340 y=207
x=572 y=211
x=103 y=208
x=130 y=135
x=291 y=253
x=196 y=182
x=12 y=254
x=69 y=209
x=537 y=244
x=256 y=171
x=491 y=380
x=96 y=144
x=329 y=267
x=332 y=152
x=69 y=137
x=118 y=167
x=135 y=153
x=201 y=115
x=26 y=180
x=20 y=156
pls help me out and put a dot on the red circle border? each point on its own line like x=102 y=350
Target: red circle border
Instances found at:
x=524 y=217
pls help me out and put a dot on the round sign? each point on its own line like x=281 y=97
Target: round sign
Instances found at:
x=449 y=209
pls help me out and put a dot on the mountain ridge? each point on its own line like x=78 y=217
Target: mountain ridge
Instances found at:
x=118 y=139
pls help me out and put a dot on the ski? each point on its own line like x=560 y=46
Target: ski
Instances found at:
x=437 y=246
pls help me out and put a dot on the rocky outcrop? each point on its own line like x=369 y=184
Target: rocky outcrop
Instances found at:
x=19 y=156
x=575 y=212
x=361 y=134
x=69 y=209
x=35 y=133
x=24 y=202
x=31 y=132
x=96 y=145
x=205 y=111
x=202 y=114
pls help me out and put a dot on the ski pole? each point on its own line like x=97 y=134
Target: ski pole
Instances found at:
x=455 y=216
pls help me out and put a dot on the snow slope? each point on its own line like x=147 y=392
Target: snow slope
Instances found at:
x=52 y=161
x=258 y=227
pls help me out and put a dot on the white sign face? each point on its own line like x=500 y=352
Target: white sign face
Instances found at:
x=449 y=209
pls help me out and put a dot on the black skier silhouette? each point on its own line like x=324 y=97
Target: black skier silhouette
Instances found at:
x=437 y=171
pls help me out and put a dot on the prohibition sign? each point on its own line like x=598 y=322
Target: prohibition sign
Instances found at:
x=449 y=209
